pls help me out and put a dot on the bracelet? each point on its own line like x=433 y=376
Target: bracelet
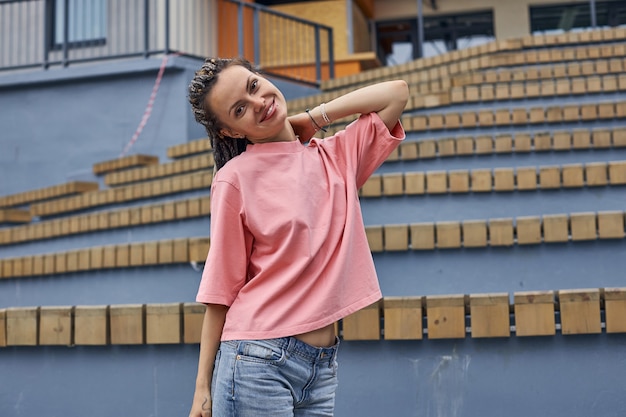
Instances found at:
x=314 y=122
x=324 y=114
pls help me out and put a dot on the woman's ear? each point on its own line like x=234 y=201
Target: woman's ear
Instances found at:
x=229 y=133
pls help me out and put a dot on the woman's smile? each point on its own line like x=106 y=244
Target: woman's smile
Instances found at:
x=269 y=111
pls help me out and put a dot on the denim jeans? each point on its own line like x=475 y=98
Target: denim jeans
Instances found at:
x=277 y=378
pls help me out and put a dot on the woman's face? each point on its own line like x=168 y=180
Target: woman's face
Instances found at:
x=248 y=105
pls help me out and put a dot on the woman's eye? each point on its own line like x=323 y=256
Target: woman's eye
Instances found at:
x=254 y=85
x=239 y=111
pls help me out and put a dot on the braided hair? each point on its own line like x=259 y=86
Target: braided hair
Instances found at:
x=224 y=147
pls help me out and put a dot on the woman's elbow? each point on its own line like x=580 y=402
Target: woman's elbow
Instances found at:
x=401 y=91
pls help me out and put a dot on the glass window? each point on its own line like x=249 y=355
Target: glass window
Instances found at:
x=397 y=41
x=86 y=22
x=573 y=16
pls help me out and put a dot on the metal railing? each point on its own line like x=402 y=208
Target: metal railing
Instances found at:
x=280 y=43
x=47 y=33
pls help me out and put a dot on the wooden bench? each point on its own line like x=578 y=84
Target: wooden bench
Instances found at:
x=585 y=311
x=151 y=172
x=503 y=179
x=125 y=162
x=163 y=252
x=167 y=186
x=497 y=232
x=47 y=193
x=106 y=220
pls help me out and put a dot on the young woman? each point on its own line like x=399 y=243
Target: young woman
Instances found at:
x=289 y=255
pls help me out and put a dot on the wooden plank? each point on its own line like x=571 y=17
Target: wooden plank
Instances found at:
x=55 y=326
x=445 y=316
x=596 y=174
x=396 y=237
x=458 y=181
x=427 y=149
x=615 y=310
x=363 y=324
x=549 y=177
x=617 y=172
x=501 y=232
x=555 y=228
x=372 y=187
x=415 y=183
x=580 y=311
x=611 y=225
x=583 y=226
x=503 y=179
x=403 y=318
x=90 y=325
x=489 y=315
x=393 y=184
x=523 y=143
x=534 y=313
x=436 y=182
x=422 y=236
x=127 y=324
x=448 y=234
x=21 y=326
x=481 y=180
x=526 y=178
x=375 y=238
x=136 y=257
x=474 y=233
x=193 y=316
x=528 y=230
x=503 y=144
x=573 y=175
x=163 y=323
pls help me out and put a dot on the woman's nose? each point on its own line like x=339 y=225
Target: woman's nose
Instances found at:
x=258 y=103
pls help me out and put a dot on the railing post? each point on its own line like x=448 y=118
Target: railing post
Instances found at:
x=66 y=32
x=257 y=36
x=318 y=55
x=240 y=33
x=146 y=28
x=331 y=55
x=48 y=37
x=167 y=27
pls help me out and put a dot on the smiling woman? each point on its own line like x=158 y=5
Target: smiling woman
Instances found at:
x=289 y=254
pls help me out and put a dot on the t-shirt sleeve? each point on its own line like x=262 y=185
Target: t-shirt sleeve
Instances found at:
x=365 y=144
x=225 y=270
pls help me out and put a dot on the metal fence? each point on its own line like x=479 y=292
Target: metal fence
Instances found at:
x=280 y=43
x=46 y=33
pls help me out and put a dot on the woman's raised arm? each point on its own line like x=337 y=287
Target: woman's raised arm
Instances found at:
x=388 y=99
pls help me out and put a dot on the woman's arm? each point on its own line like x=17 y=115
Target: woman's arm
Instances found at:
x=212 y=326
x=388 y=99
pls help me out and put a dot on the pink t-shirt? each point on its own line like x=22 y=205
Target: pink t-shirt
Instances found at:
x=288 y=251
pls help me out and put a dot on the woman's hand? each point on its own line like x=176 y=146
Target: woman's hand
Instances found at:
x=201 y=406
x=302 y=126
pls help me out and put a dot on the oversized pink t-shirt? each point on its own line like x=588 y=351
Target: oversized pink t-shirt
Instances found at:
x=288 y=251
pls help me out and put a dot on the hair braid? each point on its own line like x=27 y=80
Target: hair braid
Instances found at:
x=224 y=147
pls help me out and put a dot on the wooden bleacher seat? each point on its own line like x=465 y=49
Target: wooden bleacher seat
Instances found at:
x=106 y=220
x=133 y=192
x=489 y=315
x=47 y=193
x=125 y=162
x=14 y=216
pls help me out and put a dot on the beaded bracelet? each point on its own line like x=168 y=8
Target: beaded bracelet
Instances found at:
x=314 y=122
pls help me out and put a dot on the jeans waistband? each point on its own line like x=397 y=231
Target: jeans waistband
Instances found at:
x=303 y=350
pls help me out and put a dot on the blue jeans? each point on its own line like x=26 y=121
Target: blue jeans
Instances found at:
x=276 y=378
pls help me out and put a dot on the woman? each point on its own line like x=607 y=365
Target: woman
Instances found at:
x=289 y=255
